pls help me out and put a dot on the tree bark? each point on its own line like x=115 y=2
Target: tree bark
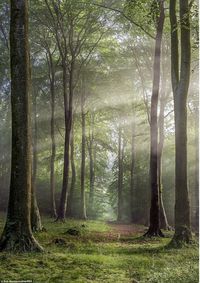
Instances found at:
x=163 y=217
x=197 y=170
x=17 y=234
x=132 y=182
x=53 y=144
x=180 y=85
x=120 y=175
x=154 y=228
x=83 y=203
x=92 y=169
x=36 y=223
x=68 y=105
x=70 y=204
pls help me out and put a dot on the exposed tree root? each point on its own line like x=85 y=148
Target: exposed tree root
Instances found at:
x=19 y=243
x=182 y=236
x=152 y=232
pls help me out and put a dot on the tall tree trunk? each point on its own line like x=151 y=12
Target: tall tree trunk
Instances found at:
x=68 y=105
x=83 y=203
x=163 y=217
x=92 y=170
x=120 y=175
x=70 y=204
x=197 y=169
x=180 y=84
x=132 y=182
x=53 y=144
x=154 y=228
x=17 y=234
x=36 y=223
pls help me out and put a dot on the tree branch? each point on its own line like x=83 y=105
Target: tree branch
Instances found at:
x=125 y=16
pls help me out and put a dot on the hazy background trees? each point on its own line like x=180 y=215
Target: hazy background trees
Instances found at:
x=107 y=69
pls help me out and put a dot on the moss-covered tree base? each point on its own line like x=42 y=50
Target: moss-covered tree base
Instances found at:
x=181 y=237
x=19 y=242
x=36 y=223
x=153 y=232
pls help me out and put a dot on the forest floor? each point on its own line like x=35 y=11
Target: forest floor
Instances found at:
x=100 y=252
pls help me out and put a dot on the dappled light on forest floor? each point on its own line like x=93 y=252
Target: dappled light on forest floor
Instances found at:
x=96 y=253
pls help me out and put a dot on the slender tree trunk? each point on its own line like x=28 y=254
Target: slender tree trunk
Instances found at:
x=180 y=90
x=70 y=205
x=163 y=217
x=53 y=144
x=83 y=204
x=68 y=104
x=92 y=171
x=120 y=175
x=154 y=229
x=197 y=170
x=132 y=183
x=17 y=234
x=36 y=223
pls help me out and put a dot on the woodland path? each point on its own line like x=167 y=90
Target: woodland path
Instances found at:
x=125 y=229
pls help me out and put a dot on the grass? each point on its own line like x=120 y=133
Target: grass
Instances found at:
x=96 y=255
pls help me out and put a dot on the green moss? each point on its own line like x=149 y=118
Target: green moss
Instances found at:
x=84 y=259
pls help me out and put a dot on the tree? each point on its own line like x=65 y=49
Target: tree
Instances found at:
x=36 y=223
x=180 y=83
x=164 y=95
x=120 y=174
x=83 y=150
x=73 y=27
x=197 y=169
x=51 y=68
x=70 y=200
x=154 y=228
x=17 y=234
x=163 y=217
x=132 y=169
x=91 y=152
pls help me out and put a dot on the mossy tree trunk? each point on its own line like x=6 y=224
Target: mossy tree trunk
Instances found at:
x=17 y=234
x=154 y=228
x=180 y=85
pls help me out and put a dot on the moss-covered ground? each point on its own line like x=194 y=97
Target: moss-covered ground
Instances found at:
x=100 y=254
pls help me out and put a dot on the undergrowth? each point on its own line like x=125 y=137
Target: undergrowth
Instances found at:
x=96 y=254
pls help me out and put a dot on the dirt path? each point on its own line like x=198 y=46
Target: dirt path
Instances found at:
x=125 y=229
x=117 y=232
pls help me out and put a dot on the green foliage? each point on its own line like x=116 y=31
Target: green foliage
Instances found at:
x=93 y=258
